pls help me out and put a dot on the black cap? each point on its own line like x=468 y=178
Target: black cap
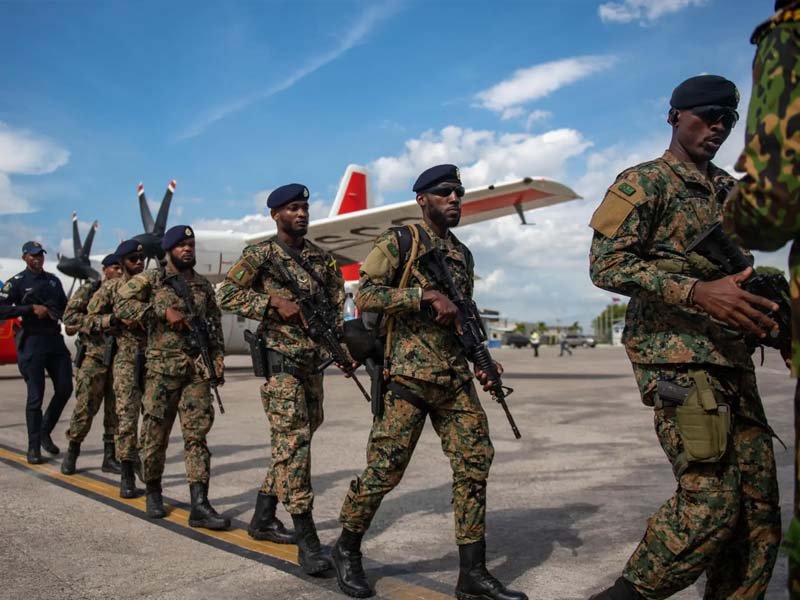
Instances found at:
x=704 y=90
x=287 y=193
x=175 y=235
x=436 y=175
x=128 y=247
x=110 y=259
x=32 y=248
x=781 y=4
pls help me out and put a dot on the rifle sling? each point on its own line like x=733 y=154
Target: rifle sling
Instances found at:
x=301 y=262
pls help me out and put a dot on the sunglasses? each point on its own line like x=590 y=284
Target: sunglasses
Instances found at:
x=446 y=190
x=713 y=114
x=134 y=258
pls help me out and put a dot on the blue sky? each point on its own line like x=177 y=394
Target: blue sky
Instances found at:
x=234 y=99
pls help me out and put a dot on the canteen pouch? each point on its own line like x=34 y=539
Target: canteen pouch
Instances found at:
x=703 y=423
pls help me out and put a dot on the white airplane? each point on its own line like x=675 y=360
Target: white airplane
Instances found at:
x=348 y=232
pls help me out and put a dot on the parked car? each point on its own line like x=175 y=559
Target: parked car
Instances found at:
x=517 y=340
x=578 y=339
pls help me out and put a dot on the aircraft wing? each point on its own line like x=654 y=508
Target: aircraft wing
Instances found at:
x=350 y=236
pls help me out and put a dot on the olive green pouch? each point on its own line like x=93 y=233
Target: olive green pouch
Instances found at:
x=703 y=423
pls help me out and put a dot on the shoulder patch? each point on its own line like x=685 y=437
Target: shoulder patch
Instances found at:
x=620 y=200
x=245 y=269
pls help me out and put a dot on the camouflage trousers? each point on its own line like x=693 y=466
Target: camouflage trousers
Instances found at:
x=459 y=421
x=294 y=410
x=93 y=387
x=129 y=406
x=724 y=518
x=166 y=396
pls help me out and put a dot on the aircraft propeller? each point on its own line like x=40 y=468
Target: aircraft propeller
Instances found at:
x=79 y=267
x=154 y=229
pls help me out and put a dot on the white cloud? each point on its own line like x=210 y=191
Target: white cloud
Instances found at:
x=11 y=202
x=538 y=81
x=644 y=11
x=351 y=37
x=484 y=156
x=24 y=153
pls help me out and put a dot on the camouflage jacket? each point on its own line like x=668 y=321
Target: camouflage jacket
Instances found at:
x=642 y=228
x=145 y=298
x=90 y=328
x=128 y=340
x=254 y=279
x=764 y=209
x=420 y=348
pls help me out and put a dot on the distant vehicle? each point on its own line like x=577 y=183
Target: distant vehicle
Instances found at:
x=517 y=340
x=578 y=339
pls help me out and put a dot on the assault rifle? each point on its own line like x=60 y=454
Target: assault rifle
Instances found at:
x=715 y=246
x=199 y=338
x=472 y=334
x=319 y=319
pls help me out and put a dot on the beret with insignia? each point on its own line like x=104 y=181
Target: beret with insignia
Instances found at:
x=287 y=193
x=110 y=259
x=128 y=247
x=705 y=90
x=175 y=235
x=436 y=175
x=32 y=248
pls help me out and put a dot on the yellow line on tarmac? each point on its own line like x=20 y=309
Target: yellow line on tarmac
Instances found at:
x=390 y=588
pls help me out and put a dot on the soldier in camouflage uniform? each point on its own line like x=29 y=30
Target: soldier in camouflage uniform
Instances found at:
x=763 y=209
x=177 y=384
x=93 y=379
x=292 y=395
x=428 y=376
x=724 y=518
x=131 y=340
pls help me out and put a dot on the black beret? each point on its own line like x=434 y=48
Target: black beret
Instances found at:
x=175 y=235
x=32 y=248
x=287 y=193
x=704 y=90
x=436 y=175
x=128 y=247
x=110 y=259
x=779 y=4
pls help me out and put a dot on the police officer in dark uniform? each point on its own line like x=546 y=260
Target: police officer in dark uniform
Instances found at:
x=38 y=297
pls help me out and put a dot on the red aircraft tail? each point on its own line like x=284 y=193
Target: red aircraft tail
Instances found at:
x=351 y=197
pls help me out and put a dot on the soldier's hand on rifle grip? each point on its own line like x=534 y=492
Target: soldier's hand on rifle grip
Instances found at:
x=176 y=319
x=219 y=369
x=483 y=377
x=725 y=300
x=287 y=310
x=446 y=311
x=41 y=312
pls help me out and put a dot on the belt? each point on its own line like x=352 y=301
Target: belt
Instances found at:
x=402 y=392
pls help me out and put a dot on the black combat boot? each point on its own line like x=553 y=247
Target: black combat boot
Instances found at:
x=621 y=590
x=346 y=558
x=34 y=454
x=110 y=464
x=265 y=525
x=127 y=481
x=155 y=503
x=309 y=551
x=474 y=581
x=47 y=444
x=202 y=513
x=68 y=465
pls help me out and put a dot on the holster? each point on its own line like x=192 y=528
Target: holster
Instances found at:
x=258 y=353
x=139 y=370
x=109 y=349
x=80 y=353
x=703 y=422
x=378 y=387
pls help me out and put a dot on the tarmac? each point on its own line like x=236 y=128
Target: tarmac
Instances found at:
x=567 y=503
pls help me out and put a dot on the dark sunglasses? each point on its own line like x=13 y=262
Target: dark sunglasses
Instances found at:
x=134 y=258
x=446 y=190
x=713 y=114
